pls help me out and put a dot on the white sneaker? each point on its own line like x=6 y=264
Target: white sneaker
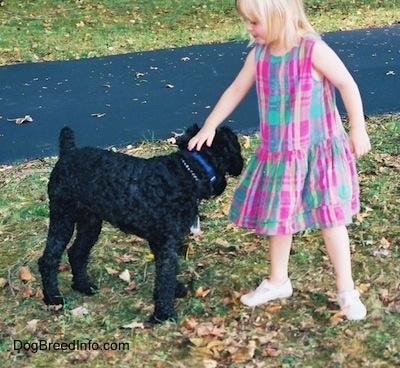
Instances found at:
x=267 y=292
x=350 y=303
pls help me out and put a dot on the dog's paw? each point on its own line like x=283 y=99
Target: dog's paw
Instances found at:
x=54 y=302
x=88 y=289
x=181 y=290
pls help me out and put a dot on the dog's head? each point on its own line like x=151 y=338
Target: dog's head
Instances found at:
x=224 y=153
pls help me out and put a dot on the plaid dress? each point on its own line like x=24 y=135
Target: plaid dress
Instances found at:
x=303 y=174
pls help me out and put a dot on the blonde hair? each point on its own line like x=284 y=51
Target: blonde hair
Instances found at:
x=284 y=21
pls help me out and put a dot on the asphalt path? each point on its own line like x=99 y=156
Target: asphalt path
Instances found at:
x=123 y=99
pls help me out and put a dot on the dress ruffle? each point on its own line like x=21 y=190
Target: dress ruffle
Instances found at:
x=290 y=191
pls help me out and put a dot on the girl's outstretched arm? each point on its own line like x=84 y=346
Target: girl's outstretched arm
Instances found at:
x=327 y=64
x=227 y=103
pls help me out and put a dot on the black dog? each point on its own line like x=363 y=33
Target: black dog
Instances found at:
x=156 y=199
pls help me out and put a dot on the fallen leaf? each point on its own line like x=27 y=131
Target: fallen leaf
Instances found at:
x=134 y=325
x=272 y=350
x=3 y=282
x=64 y=266
x=80 y=311
x=25 y=119
x=198 y=341
x=209 y=329
x=28 y=292
x=363 y=288
x=31 y=325
x=338 y=317
x=244 y=354
x=25 y=274
x=125 y=258
x=109 y=354
x=190 y=324
x=202 y=292
x=384 y=243
x=210 y=363
x=246 y=143
x=98 y=114
x=125 y=276
x=150 y=257
x=111 y=271
x=132 y=286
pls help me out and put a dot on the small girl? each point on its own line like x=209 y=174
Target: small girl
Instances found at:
x=303 y=173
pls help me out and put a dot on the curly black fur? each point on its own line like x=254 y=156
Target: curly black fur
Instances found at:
x=155 y=199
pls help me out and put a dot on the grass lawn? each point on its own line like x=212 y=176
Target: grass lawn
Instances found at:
x=213 y=329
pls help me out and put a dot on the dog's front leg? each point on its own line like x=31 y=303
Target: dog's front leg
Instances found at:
x=165 y=285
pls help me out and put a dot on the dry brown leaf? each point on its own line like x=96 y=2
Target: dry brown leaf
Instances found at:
x=3 y=282
x=363 y=288
x=337 y=317
x=39 y=294
x=384 y=243
x=190 y=324
x=246 y=143
x=209 y=329
x=64 y=266
x=109 y=354
x=25 y=274
x=31 y=325
x=202 y=292
x=111 y=271
x=125 y=258
x=272 y=350
x=244 y=354
x=28 y=292
x=215 y=347
x=198 y=342
x=132 y=286
x=273 y=308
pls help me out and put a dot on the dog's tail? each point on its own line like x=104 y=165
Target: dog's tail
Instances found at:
x=66 y=140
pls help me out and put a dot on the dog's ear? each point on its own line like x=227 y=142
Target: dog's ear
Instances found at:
x=183 y=140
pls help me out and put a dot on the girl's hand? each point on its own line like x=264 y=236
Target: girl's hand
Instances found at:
x=359 y=142
x=205 y=135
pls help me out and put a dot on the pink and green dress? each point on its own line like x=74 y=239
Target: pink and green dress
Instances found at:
x=303 y=174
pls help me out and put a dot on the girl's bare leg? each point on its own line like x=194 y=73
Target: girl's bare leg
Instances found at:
x=279 y=252
x=338 y=247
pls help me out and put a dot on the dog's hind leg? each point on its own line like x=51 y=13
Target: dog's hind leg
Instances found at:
x=88 y=229
x=60 y=232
